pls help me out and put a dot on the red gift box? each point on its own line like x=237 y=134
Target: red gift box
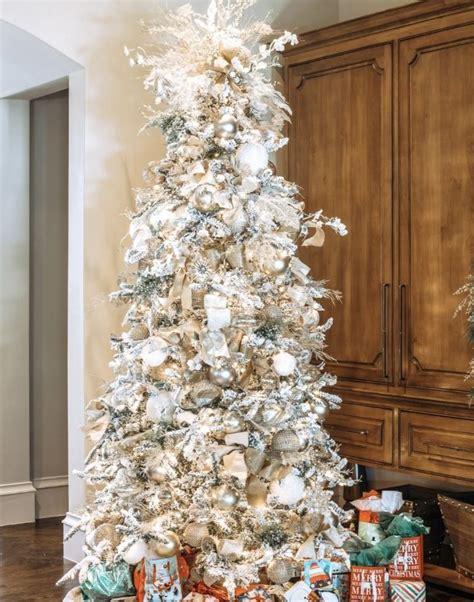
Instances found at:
x=408 y=563
x=368 y=584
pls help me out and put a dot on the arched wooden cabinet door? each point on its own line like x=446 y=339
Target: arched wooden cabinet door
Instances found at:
x=340 y=154
x=436 y=125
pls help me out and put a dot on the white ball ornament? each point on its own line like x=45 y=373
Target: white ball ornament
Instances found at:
x=252 y=158
x=289 y=490
x=161 y=407
x=284 y=363
x=136 y=552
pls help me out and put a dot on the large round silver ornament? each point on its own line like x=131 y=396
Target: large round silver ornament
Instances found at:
x=256 y=492
x=286 y=441
x=280 y=571
x=275 y=265
x=169 y=546
x=226 y=127
x=204 y=198
x=194 y=534
x=254 y=459
x=321 y=410
x=224 y=497
x=204 y=393
x=232 y=422
x=222 y=376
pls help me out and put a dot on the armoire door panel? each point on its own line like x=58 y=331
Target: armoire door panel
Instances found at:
x=437 y=193
x=340 y=155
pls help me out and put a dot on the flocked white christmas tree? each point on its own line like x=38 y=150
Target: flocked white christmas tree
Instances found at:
x=212 y=433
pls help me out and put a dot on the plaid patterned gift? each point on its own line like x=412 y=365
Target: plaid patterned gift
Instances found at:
x=407 y=591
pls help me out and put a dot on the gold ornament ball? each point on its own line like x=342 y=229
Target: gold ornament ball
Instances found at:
x=169 y=546
x=275 y=266
x=226 y=127
x=224 y=497
x=222 y=376
x=104 y=532
x=280 y=571
x=204 y=198
x=138 y=332
x=286 y=440
x=194 y=533
x=232 y=422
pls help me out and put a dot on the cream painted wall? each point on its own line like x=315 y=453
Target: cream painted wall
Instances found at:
x=350 y=9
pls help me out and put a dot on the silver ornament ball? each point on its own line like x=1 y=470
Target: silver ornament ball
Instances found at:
x=226 y=127
x=169 y=546
x=222 y=376
x=194 y=533
x=280 y=571
x=204 y=198
x=321 y=410
x=275 y=266
x=156 y=471
x=224 y=497
x=286 y=440
x=232 y=422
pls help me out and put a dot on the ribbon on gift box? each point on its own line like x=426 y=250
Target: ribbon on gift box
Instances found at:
x=217 y=591
x=407 y=591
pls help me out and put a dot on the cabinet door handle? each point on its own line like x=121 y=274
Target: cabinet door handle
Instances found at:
x=402 y=333
x=385 y=301
x=347 y=429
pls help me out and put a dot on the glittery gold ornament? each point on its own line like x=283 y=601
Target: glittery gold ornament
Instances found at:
x=104 y=532
x=168 y=546
x=224 y=497
x=286 y=441
x=226 y=127
x=204 y=393
x=223 y=376
x=232 y=422
x=235 y=256
x=280 y=571
x=194 y=534
x=256 y=491
x=273 y=314
x=138 y=332
x=204 y=198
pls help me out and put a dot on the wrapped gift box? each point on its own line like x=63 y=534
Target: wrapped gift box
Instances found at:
x=197 y=597
x=407 y=591
x=157 y=580
x=408 y=563
x=368 y=584
x=257 y=594
x=315 y=576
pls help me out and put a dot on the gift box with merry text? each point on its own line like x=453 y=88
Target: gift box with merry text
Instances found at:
x=368 y=584
x=407 y=591
x=408 y=563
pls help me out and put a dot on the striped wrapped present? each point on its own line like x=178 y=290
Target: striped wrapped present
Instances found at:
x=407 y=591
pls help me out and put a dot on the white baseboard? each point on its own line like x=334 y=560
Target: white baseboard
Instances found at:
x=51 y=496
x=17 y=503
x=73 y=547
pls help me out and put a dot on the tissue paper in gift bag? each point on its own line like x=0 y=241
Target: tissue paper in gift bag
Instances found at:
x=368 y=584
x=407 y=591
x=408 y=563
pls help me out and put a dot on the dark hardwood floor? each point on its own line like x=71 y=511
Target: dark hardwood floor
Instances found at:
x=31 y=561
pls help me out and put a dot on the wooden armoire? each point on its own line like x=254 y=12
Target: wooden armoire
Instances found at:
x=382 y=136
